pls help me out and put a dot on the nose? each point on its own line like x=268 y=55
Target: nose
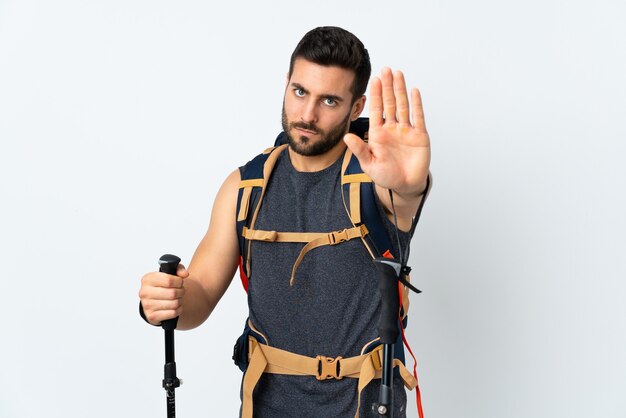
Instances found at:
x=309 y=112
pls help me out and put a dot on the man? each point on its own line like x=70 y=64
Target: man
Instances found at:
x=331 y=305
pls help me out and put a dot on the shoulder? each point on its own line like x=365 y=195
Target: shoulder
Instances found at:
x=227 y=194
x=233 y=179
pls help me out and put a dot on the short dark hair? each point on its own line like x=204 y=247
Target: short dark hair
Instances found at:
x=330 y=45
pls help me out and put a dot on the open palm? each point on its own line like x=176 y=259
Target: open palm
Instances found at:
x=397 y=155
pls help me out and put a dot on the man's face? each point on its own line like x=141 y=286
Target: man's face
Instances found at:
x=317 y=107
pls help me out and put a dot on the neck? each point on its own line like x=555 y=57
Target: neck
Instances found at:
x=310 y=164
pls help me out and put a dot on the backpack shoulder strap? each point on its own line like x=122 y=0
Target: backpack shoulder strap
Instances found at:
x=254 y=178
x=359 y=198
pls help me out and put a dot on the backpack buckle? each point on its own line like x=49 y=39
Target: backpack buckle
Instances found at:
x=328 y=368
x=337 y=237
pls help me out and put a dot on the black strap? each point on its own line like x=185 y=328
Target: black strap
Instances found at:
x=416 y=218
x=404 y=256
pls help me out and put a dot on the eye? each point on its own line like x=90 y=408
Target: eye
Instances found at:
x=329 y=101
x=299 y=92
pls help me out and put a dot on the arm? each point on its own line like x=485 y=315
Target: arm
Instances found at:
x=397 y=155
x=193 y=294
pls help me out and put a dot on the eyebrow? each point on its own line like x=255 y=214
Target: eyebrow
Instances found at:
x=324 y=96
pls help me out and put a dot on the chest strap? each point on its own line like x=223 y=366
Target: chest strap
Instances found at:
x=312 y=240
x=266 y=359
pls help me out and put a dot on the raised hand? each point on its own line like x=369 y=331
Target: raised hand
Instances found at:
x=397 y=155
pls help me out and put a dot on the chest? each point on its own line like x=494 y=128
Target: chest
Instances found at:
x=303 y=202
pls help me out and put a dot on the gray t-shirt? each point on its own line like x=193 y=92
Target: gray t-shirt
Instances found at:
x=332 y=309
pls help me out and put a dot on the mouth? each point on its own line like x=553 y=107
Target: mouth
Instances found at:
x=305 y=132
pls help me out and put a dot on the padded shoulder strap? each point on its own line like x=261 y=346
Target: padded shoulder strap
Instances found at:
x=254 y=178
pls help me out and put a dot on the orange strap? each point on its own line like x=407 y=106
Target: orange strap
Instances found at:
x=247 y=186
x=313 y=240
x=266 y=359
x=267 y=170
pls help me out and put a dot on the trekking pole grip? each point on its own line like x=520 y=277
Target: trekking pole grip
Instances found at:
x=388 y=273
x=169 y=264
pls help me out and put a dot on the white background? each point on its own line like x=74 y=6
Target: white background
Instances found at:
x=120 y=119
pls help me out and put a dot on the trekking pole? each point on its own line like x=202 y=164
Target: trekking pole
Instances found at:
x=389 y=272
x=169 y=264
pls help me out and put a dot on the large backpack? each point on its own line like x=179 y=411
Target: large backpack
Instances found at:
x=359 y=199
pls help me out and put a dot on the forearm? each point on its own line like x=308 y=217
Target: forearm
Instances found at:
x=209 y=277
x=197 y=306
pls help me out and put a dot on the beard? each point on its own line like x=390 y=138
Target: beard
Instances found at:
x=303 y=144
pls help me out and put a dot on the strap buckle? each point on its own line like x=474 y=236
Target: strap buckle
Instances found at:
x=328 y=368
x=337 y=237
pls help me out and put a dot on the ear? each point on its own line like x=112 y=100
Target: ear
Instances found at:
x=357 y=108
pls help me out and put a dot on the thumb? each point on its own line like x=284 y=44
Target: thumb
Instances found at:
x=359 y=148
x=182 y=271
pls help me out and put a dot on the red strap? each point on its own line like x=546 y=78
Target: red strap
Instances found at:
x=418 y=395
x=242 y=275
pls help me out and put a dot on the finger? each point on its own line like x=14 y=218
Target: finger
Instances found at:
x=418 y=111
x=149 y=294
x=167 y=293
x=402 y=99
x=389 y=99
x=376 y=103
x=359 y=148
x=169 y=280
x=167 y=304
x=158 y=279
x=162 y=305
x=157 y=317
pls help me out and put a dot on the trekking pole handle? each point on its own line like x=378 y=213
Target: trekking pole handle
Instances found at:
x=169 y=264
x=388 y=273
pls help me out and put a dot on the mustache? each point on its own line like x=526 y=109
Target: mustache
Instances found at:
x=307 y=126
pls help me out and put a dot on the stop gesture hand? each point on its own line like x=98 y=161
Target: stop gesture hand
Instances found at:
x=397 y=155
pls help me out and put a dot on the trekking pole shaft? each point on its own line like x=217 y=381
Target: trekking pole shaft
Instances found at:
x=169 y=346
x=385 y=402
